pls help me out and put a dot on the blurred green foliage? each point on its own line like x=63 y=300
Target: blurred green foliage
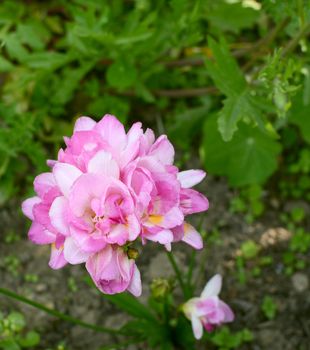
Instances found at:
x=231 y=77
x=13 y=335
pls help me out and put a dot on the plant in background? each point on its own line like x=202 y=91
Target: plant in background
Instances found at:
x=13 y=335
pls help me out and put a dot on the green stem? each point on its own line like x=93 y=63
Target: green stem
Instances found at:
x=178 y=274
x=191 y=268
x=58 y=314
x=192 y=261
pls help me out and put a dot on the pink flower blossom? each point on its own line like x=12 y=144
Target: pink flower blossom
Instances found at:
x=208 y=311
x=108 y=188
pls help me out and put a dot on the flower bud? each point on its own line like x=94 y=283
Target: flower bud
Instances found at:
x=132 y=253
x=160 y=287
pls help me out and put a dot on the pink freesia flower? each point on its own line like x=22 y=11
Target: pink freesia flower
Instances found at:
x=208 y=311
x=107 y=188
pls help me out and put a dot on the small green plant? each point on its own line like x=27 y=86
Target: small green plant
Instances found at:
x=247 y=261
x=225 y=339
x=13 y=335
x=249 y=202
x=11 y=237
x=299 y=245
x=31 y=277
x=12 y=263
x=249 y=249
x=72 y=285
x=269 y=307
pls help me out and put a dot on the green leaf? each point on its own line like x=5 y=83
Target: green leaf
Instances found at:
x=70 y=81
x=269 y=307
x=5 y=65
x=15 y=48
x=31 y=339
x=228 y=77
x=249 y=158
x=49 y=60
x=249 y=249
x=9 y=344
x=299 y=115
x=33 y=34
x=224 y=70
x=231 y=16
x=131 y=305
x=17 y=321
x=121 y=75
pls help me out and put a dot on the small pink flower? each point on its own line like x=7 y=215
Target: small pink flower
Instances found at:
x=208 y=311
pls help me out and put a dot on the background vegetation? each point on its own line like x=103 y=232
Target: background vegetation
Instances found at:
x=229 y=77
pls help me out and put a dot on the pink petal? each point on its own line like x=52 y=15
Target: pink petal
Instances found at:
x=192 y=237
x=28 y=204
x=97 y=263
x=146 y=142
x=118 y=234
x=58 y=215
x=197 y=327
x=213 y=287
x=134 y=227
x=228 y=313
x=73 y=254
x=43 y=183
x=84 y=124
x=190 y=178
x=162 y=150
x=135 y=286
x=40 y=235
x=173 y=218
x=133 y=144
x=86 y=187
x=112 y=131
x=102 y=163
x=91 y=242
x=192 y=201
x=57 y=259
x=162 y=237
x=65 y=175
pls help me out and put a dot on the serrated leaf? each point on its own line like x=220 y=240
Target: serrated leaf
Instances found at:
x=235 y=109
x=224 y=70
x=249 y=158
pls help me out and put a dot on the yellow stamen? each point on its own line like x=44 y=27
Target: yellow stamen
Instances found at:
x=155 y=219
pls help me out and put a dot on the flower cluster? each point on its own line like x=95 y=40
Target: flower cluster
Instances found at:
x=208 y=311
x=107 y=189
